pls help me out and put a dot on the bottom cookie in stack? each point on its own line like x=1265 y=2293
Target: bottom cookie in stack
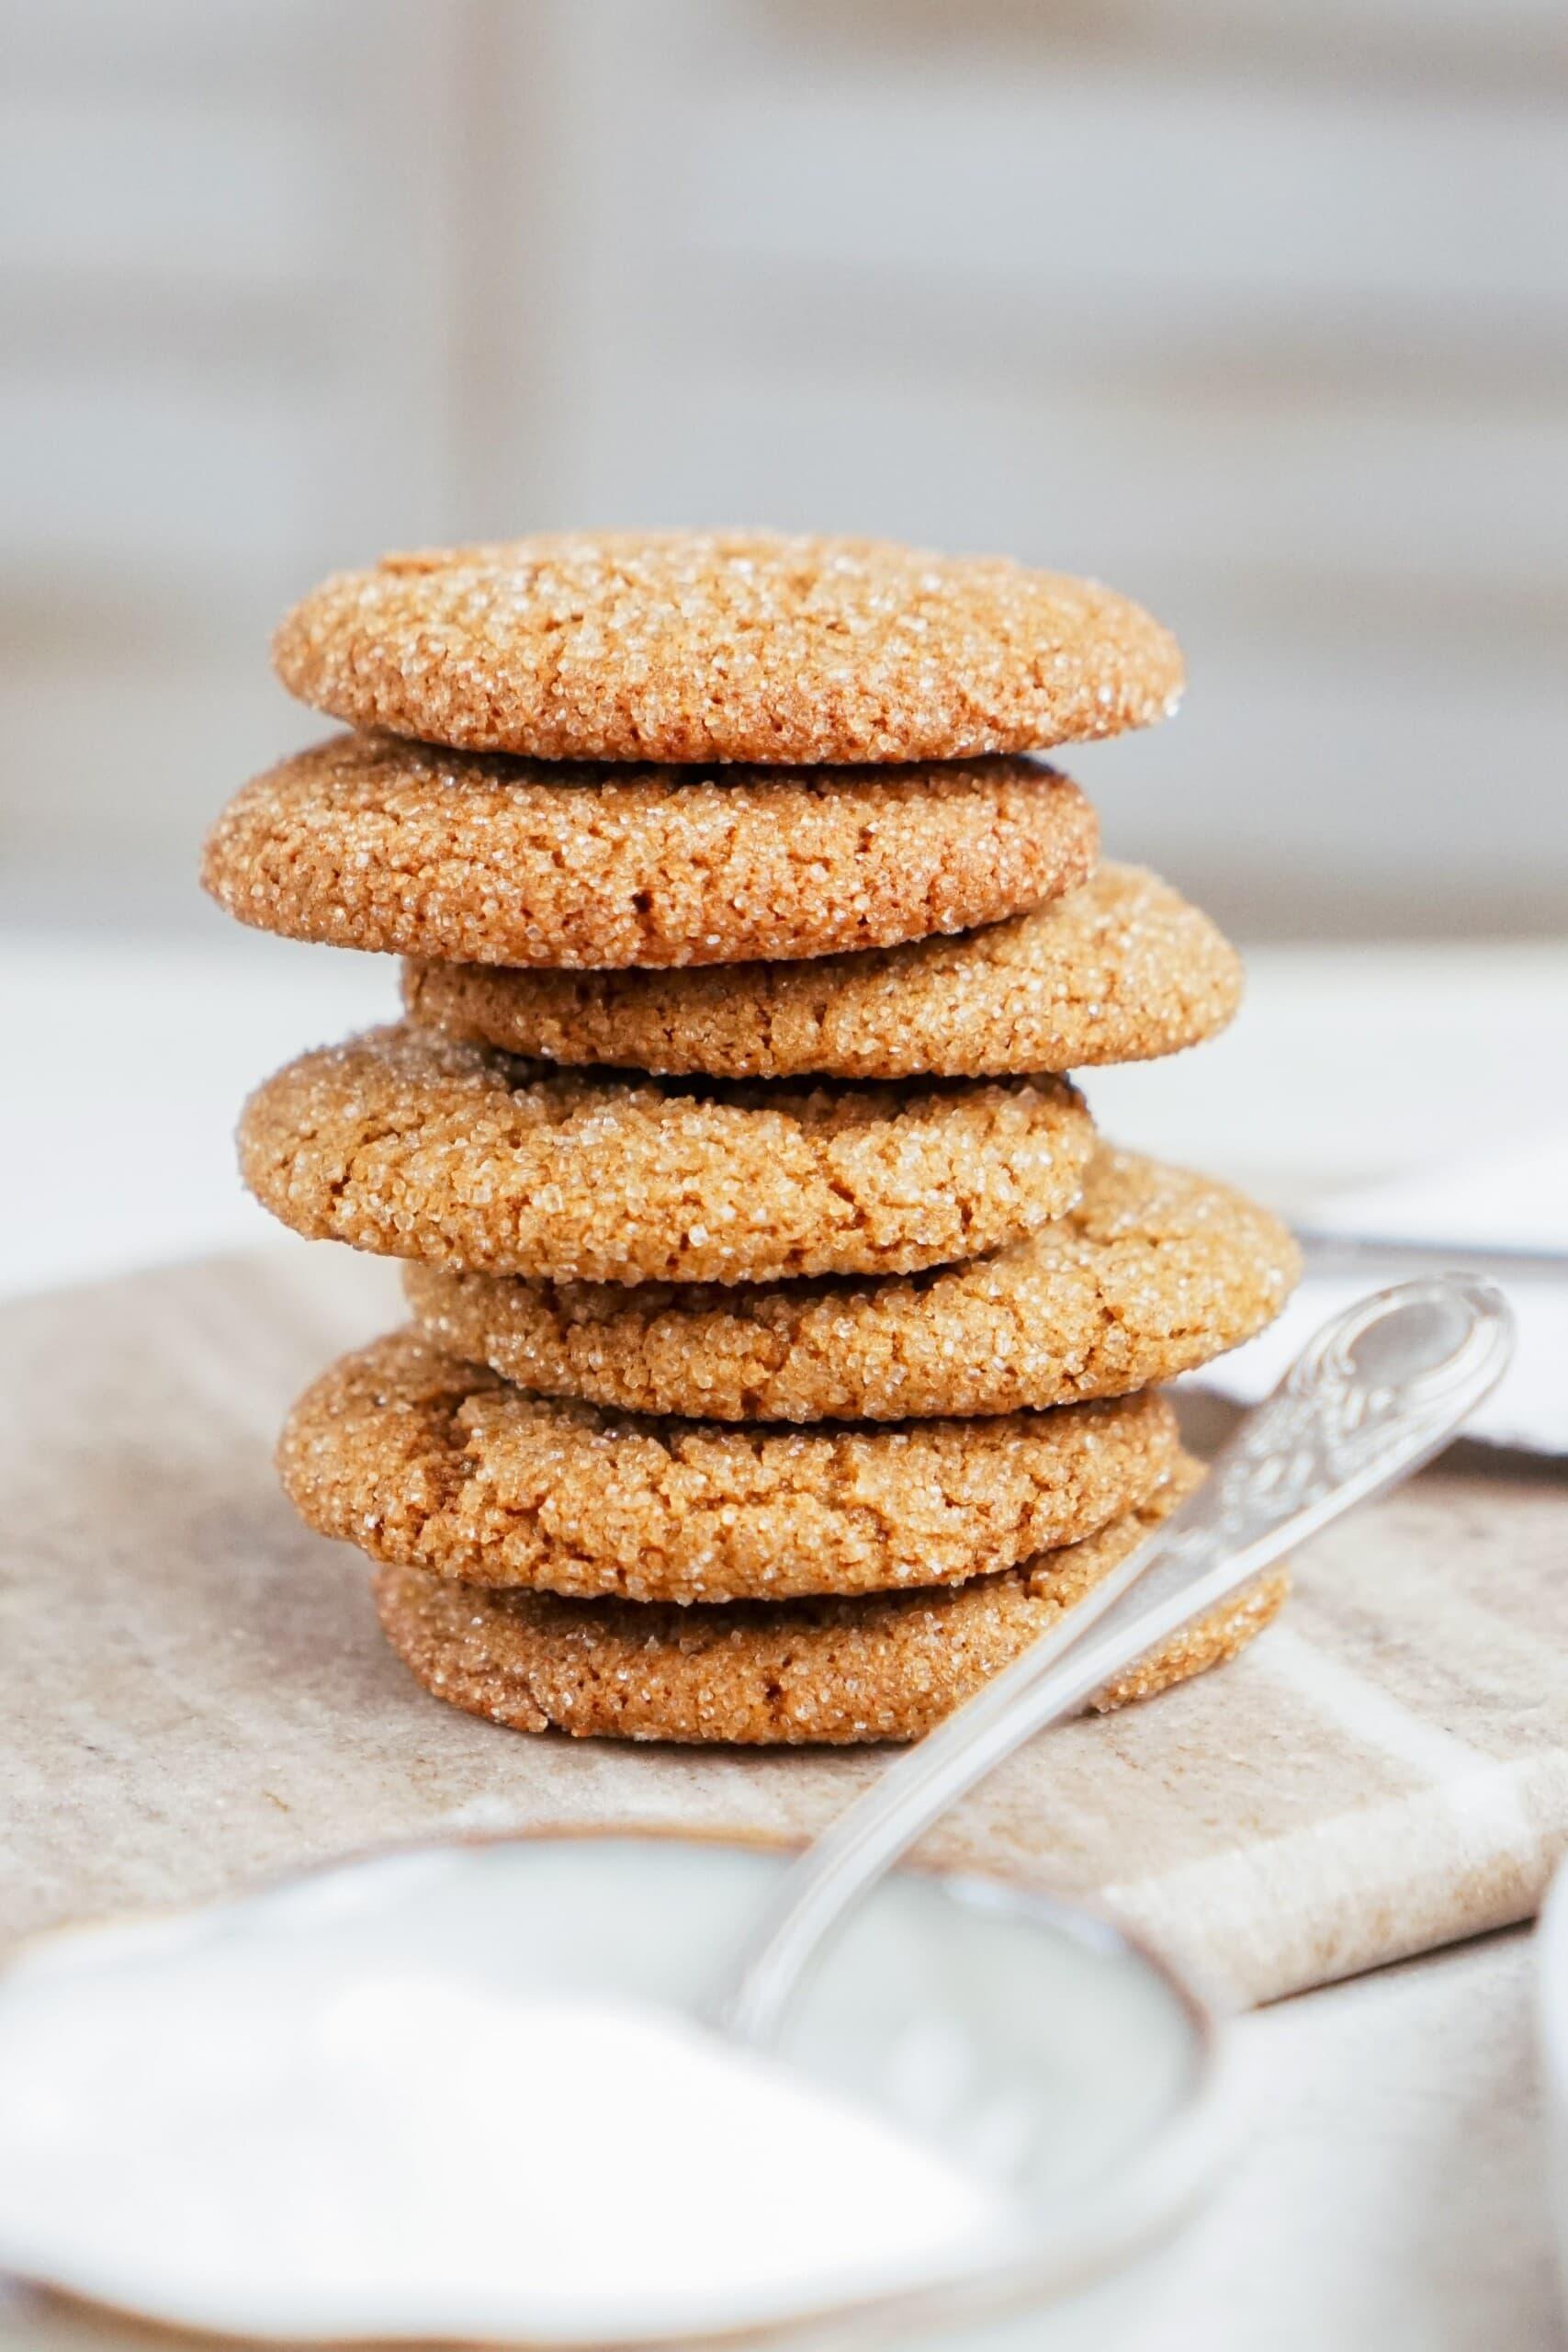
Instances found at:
x=828 y=1671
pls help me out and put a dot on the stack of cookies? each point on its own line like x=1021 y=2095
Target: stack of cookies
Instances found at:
x=786 y=1345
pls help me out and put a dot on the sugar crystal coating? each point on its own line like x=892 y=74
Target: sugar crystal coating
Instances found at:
x=407 y=1144
x=1153 y=1272
x=768 y=1674
x=1119 y=970
x=729 y=644
x=427 y=1462
x=365 y=841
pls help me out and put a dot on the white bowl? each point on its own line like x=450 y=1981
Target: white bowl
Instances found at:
x=950 y=2004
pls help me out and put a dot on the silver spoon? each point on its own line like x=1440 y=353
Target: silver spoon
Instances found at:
x=1373 y=1395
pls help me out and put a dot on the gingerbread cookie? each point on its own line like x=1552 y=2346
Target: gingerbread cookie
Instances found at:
x=729 y=644
x=767 y=1674
x=427 y=1462
x=1119 y=971
x=365 y=841
x=1154 y=1271
x=404 y=1144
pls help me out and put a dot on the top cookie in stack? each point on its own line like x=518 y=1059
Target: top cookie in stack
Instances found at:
x=747 y=952
x=648 y=664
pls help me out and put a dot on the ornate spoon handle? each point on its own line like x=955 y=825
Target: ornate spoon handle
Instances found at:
x=1374 y=1395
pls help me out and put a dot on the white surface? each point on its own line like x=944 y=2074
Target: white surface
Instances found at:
x=1518 y=1199
x=122 y=1084
x=1393 y=2195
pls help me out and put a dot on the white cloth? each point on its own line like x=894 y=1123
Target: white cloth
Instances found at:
x=1517 y=1198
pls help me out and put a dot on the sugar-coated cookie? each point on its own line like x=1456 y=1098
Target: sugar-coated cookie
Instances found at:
x=407 y=1144
x=365 y=841
x=770 y=1674
x=726 y=645
x=1155 y=1271
x=428 y=1462
x=1120 y=970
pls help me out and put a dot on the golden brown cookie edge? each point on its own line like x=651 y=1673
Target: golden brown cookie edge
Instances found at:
x=895 y=1348
x=424 y=1462
x=933 y=1007
x=766 y=1678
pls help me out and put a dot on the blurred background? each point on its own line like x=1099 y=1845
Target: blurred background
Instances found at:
x=1258 y=314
